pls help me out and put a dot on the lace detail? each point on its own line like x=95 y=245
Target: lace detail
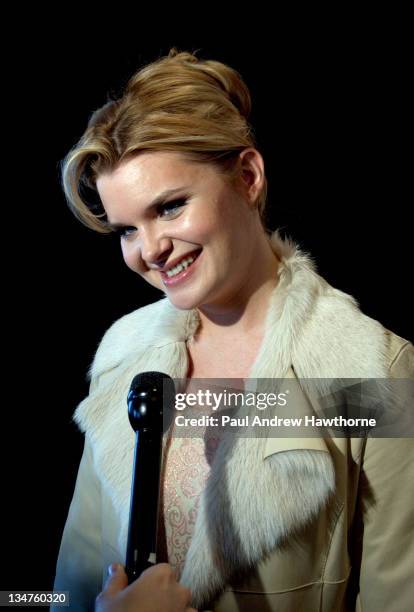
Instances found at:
x=187 y=467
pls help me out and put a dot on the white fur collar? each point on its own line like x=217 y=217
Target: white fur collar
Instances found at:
x=310 y=326
x=304 y=310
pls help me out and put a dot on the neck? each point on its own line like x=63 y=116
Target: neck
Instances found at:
x=245 y=313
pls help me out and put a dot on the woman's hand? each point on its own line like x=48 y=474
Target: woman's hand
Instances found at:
x=156 y=590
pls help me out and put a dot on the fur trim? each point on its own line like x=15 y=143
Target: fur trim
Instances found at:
x=310 y=326
x=237 y=525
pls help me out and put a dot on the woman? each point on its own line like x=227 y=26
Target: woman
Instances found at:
x=282 y=524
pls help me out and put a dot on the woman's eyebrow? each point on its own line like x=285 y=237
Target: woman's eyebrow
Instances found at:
x=158 y=201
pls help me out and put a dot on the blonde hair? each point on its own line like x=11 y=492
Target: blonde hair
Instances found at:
x=180 y=103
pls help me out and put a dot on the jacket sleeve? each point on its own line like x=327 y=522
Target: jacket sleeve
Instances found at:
x=79 y=565
x=386 y=491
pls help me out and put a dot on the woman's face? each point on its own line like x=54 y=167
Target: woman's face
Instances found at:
x=184 y=228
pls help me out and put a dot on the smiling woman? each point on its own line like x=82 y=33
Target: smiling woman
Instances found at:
x=246 y=523
x=183 y=246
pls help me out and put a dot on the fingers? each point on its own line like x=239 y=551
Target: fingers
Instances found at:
x=158 y=569
x=163 y=576
x=117 y=580
x=186 y=594
x=163 y=581
x=155 y=589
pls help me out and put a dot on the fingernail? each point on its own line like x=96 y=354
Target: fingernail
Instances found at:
x=112 y=569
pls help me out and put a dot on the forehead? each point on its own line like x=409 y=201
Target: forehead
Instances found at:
x=150 y=172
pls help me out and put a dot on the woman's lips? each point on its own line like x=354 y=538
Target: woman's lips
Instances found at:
x=184 y=274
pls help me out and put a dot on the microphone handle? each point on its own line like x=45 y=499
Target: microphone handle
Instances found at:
x=143 y=513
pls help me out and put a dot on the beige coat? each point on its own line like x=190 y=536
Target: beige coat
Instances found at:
x=284 y=524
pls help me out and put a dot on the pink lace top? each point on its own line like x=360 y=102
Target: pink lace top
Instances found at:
x=187 y=467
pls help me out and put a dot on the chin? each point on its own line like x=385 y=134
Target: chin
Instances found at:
x=183 y=303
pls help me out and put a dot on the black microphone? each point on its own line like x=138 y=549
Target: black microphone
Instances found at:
x=150 y=395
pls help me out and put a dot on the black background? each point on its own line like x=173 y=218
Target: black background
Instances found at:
x=331 y=118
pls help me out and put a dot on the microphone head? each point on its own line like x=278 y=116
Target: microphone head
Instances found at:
x=150 y=396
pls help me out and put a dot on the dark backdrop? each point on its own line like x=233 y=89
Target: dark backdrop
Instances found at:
x=331 y=123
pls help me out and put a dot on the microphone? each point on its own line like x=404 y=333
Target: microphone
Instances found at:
x=150 y=393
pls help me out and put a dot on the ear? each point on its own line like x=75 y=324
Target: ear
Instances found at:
x=252 y=174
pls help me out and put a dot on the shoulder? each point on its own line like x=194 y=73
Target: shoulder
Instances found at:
x=156 y=324
x=400 y=353
x=349 y=342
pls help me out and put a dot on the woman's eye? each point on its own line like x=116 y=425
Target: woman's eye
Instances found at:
x=169 y=208
x=164 y=210
x=124 y=232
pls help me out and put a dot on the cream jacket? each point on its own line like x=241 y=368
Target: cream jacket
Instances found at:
x=284 y=524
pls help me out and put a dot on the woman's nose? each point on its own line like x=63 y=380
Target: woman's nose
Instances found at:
x=155 y=249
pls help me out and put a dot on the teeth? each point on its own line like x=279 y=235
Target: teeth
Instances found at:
x=183 y=265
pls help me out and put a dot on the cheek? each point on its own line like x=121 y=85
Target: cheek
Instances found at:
x=131 y=258
x=203 y=228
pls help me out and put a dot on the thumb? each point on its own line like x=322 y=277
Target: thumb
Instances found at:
x=117 y=580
